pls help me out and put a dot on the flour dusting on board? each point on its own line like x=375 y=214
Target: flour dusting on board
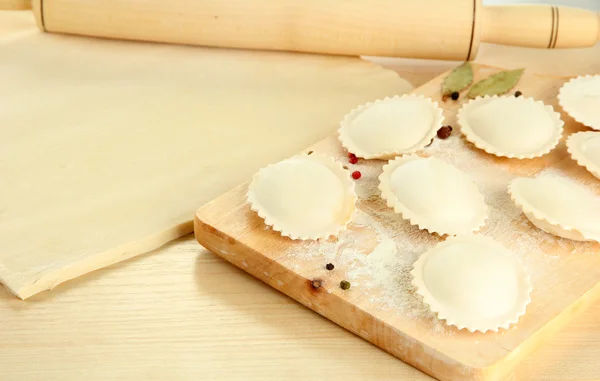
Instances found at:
x=382 y=272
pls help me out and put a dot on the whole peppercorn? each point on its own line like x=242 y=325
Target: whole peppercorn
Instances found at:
x=518 y=93
x=353 y=160
x=356 y=175
x=444 y=132
x=345 y=285
x=329 y=266
x=454 y=95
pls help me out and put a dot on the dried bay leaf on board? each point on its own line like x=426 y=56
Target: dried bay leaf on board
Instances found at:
x=458 y=79
x=496 y=84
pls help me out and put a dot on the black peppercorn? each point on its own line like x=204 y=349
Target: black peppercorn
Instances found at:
x=518 y=93
x=345 y=285
x=454 y=95
x=444 y=132
x=329 y=266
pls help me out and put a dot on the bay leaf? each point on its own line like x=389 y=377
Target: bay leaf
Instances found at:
x=496 y=84
x=458 y=79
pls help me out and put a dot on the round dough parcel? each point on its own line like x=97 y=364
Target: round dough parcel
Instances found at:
x=304 y=197
x=584 y=148
x=390 y=127
x=580 y=98
x=473 y=282
x=512 y=127
x=433 y=194
x=558 y=206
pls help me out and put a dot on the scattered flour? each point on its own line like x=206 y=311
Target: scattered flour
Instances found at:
x=382 y=273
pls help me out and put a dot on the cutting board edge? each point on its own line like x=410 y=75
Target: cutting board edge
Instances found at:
x=548 y=330
x=253 y=262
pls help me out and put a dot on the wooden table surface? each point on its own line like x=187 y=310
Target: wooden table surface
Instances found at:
x=181 y=313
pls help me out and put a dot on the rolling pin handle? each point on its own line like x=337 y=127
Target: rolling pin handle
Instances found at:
x=540 y=26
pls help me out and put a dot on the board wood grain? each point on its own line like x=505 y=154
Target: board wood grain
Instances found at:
x=566 y=275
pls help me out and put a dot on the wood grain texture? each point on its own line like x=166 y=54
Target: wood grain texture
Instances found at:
x=182 y=313
x=230 y=229
x=100 y=139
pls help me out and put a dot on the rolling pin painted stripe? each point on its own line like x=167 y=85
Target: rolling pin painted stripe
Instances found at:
x=438 y=29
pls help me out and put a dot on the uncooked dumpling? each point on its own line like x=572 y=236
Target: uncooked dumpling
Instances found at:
x=584 y=148
x=304 y=197
x=511 y=127
x=580 y=98
x=433 y=194
x=473 y=283
x=390 y=127
x=558 y=206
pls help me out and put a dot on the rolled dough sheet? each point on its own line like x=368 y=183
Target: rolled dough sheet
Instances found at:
x=107 y=147
x=14 y=24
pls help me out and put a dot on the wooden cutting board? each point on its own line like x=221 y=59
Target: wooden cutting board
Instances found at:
x=565 y=274
x=107 y=147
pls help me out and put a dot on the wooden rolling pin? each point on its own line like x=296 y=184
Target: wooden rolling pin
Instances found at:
x=438 y=29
